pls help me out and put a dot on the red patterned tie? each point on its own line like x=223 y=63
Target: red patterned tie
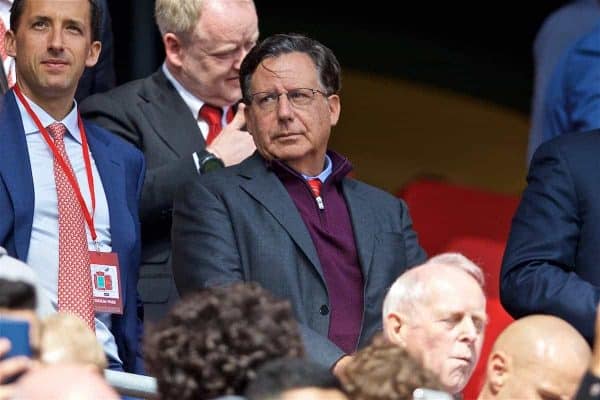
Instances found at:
x=212 y=115
x=74 y=281
x=315 y=186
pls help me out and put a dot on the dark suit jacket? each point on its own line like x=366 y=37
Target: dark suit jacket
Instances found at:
x=121 y=168
x=152 y=115
x=100 y=77
x=551 y=262
x=589 y=388
x=240 y=224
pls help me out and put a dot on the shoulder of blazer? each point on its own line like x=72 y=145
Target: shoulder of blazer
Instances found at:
x=118 y=144
x=156 y=86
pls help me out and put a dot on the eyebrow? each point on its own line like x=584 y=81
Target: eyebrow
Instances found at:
x=45 y=18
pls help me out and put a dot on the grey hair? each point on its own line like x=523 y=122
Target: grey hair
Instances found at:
x=410 y=288
x=177 y=16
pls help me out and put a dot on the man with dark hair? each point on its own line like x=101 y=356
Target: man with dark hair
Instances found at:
x=96 y=79
x=211 y=343
x=69 y=190
x=289 y=217
x=283 y=378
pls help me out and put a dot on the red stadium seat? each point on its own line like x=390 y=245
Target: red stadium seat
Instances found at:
x=442 y=211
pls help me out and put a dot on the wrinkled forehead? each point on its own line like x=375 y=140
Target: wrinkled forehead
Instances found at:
x=451 y=293
x=288 y=70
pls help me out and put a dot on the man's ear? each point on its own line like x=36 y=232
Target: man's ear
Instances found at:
x=10 y=43
x=173 y=49
x=498 y=371
x=394 y=328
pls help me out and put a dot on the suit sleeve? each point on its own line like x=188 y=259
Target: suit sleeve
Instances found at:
x=162 y=181
x=139 y=367
x=415 y=254
x=205 y=253
x=538 y=268
x=204 y=250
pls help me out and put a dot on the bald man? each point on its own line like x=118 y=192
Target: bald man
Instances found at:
x=437 y=311
x=536 y=357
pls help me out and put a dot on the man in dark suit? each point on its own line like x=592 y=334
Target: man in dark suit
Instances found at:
x=550 y=264
x=52 y=41
x=289 y=217
x=160 y=115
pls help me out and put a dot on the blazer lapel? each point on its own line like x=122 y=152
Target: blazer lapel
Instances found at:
x=267 y=189
x=112 y=174
x=15 y=169
x=170 y=116
x=3 y=81
x=362 y=218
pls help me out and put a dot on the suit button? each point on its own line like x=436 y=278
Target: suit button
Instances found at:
x=324 y=310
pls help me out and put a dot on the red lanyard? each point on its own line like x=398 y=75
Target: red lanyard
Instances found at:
x=63 y=163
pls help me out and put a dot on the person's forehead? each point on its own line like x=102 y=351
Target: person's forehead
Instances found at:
x=290 y=67
x=62 y=9
x=460 y=293
x=222 y=23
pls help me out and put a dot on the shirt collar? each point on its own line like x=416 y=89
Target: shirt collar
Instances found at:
x=29 y=126
x=323 y=175
x=336 y=168
x=193 y=103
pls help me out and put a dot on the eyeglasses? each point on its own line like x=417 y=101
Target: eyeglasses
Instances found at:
x=300 y=97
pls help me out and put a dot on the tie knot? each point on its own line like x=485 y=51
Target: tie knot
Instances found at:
x=315 y=186
x=211 y=114
x=57 y=131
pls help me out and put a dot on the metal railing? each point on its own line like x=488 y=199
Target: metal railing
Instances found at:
x=132 y=385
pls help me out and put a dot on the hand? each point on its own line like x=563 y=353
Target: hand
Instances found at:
x=340 y=365
x=233 y=144
x=595 y=360
x=9 y=368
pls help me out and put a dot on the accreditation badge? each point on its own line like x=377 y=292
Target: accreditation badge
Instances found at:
x=106 y=282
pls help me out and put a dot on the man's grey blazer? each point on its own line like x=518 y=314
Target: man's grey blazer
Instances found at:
x=240 y=224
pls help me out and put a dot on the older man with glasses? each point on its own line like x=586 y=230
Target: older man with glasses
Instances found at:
x=289 y=217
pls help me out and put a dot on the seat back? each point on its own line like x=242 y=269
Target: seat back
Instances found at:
x=442 y=211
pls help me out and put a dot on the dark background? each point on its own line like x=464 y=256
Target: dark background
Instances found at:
x=482 y=49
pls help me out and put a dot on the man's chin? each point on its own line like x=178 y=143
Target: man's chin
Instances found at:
x=457 y=380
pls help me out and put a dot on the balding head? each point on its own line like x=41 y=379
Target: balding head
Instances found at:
x=536 y=357
x=437 y=311
x=64 y=382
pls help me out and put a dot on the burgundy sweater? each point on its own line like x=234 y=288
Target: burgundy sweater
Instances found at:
x=333 y=236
